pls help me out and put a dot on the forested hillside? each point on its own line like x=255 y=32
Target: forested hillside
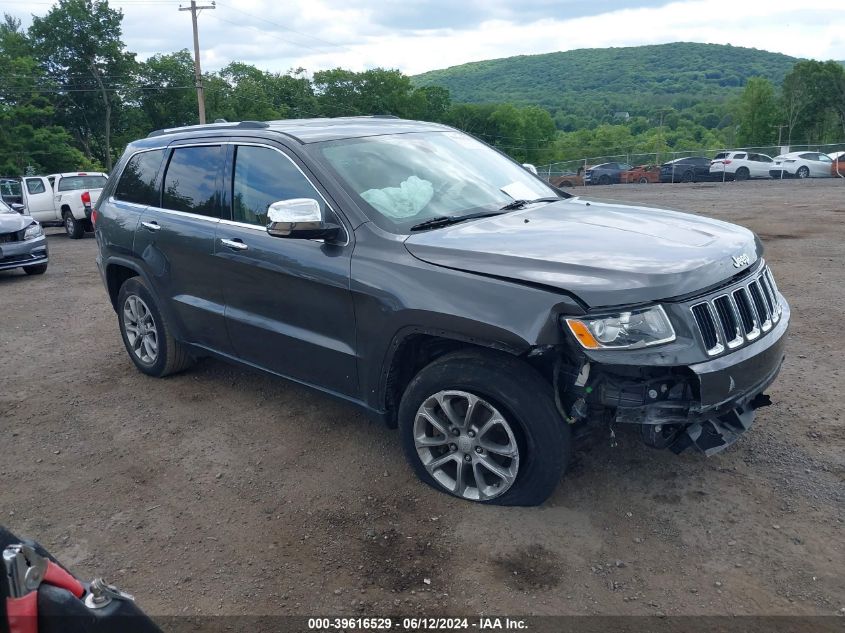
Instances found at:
x=591 y=83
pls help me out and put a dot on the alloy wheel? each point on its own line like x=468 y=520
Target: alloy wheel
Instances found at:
x=466 y=444
x=140 y=328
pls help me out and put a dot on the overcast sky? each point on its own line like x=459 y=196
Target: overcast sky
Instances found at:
x=420 y=35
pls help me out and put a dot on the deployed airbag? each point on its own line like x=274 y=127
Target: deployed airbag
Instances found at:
x=404 y=201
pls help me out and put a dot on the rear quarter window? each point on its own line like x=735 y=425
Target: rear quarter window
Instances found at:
x=138 y=181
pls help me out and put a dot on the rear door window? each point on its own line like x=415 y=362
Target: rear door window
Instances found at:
x=264 y=176
x=192 y=180
x=138 y=182
x=739 y=156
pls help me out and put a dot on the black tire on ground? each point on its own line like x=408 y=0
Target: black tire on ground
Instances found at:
x=172 y=356
x=604 y=180
x=803 y=172
x=688 y=176
x=643 y=180
x=74 y=228
x=742 y=174
x=38 y=269
x=521 y=395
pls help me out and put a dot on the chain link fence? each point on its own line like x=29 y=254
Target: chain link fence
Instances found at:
x=645 y=166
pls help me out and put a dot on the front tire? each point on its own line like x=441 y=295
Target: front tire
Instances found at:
x=604 y=180
x=483 y=426
x=146 y=334
x=38 y=269
x=688 y=176
x=74 y=228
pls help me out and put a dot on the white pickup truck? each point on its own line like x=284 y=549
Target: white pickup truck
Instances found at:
x=63 y=199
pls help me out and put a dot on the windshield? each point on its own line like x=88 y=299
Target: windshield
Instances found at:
x=70 y=183
x=4 y=208
x=405 y=179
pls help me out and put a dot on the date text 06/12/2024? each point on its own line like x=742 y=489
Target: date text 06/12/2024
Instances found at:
x=416 y=624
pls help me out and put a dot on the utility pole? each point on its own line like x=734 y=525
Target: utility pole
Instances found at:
x=194 y=9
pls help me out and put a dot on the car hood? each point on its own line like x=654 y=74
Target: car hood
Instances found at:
x=604 y=253
x=11 y=222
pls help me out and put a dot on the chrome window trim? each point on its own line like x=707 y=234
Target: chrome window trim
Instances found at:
x=346 y=230
x=245 y=225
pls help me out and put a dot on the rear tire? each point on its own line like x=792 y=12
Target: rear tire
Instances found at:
x=525 y=403
x=688 y=176
x=147 y=335
x=803 y=172
x=742 y=174
x=604 y=180
x=643 y=180
x=38 y=269
x=74 y=228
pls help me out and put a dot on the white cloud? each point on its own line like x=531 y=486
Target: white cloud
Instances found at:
x=359 y=34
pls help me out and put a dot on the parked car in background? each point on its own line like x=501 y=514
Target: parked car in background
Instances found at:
x=802 y=165
x=10 y=191
x=65 y=199
x=837 y=167
x=740 y=165
x=605 y=173
x=22 y=242
x=641 y=174
x=687 y=169
x=568 y=180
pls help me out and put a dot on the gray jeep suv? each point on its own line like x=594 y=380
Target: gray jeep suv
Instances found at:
x=426 y=277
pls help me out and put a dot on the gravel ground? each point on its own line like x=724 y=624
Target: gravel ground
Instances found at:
x=224 y=491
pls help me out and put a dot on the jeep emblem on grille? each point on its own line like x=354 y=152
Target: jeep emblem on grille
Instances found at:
x=741 y=260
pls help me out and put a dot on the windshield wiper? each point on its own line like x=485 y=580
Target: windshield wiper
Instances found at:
x=446 y=220
x=520 y=204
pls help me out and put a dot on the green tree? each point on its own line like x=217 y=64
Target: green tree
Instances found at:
x=757 y=112
x=166 y=93
x=28 y=135
x=78 y=43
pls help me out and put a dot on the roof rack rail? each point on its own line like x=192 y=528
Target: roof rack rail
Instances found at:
x=249 y=125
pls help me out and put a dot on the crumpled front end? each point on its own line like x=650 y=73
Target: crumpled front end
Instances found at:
x=740 y=331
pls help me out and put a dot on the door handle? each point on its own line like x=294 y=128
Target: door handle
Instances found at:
x=236 y=244
x=152 y=226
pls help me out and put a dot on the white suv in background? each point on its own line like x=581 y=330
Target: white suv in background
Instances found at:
x=740 y=165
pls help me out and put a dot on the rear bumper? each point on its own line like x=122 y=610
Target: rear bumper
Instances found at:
x=27 y=253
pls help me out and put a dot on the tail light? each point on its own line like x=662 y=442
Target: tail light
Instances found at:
x=727 y=161
x=93 y=217
x=86 y=197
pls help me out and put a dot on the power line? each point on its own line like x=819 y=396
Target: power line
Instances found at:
x=269 y=34
x=286 y=28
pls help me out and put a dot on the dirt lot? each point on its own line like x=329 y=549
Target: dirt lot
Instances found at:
x=178 y=488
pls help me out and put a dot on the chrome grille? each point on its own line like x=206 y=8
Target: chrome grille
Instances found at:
x=731 y=319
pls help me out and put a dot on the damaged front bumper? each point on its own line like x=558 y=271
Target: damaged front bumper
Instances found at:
x=707 y=405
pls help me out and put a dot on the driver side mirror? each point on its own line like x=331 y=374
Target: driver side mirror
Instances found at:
x=16 y=206
x=299 y=218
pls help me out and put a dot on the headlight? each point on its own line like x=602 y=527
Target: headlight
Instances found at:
x=33 y=231
x=624 y=330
